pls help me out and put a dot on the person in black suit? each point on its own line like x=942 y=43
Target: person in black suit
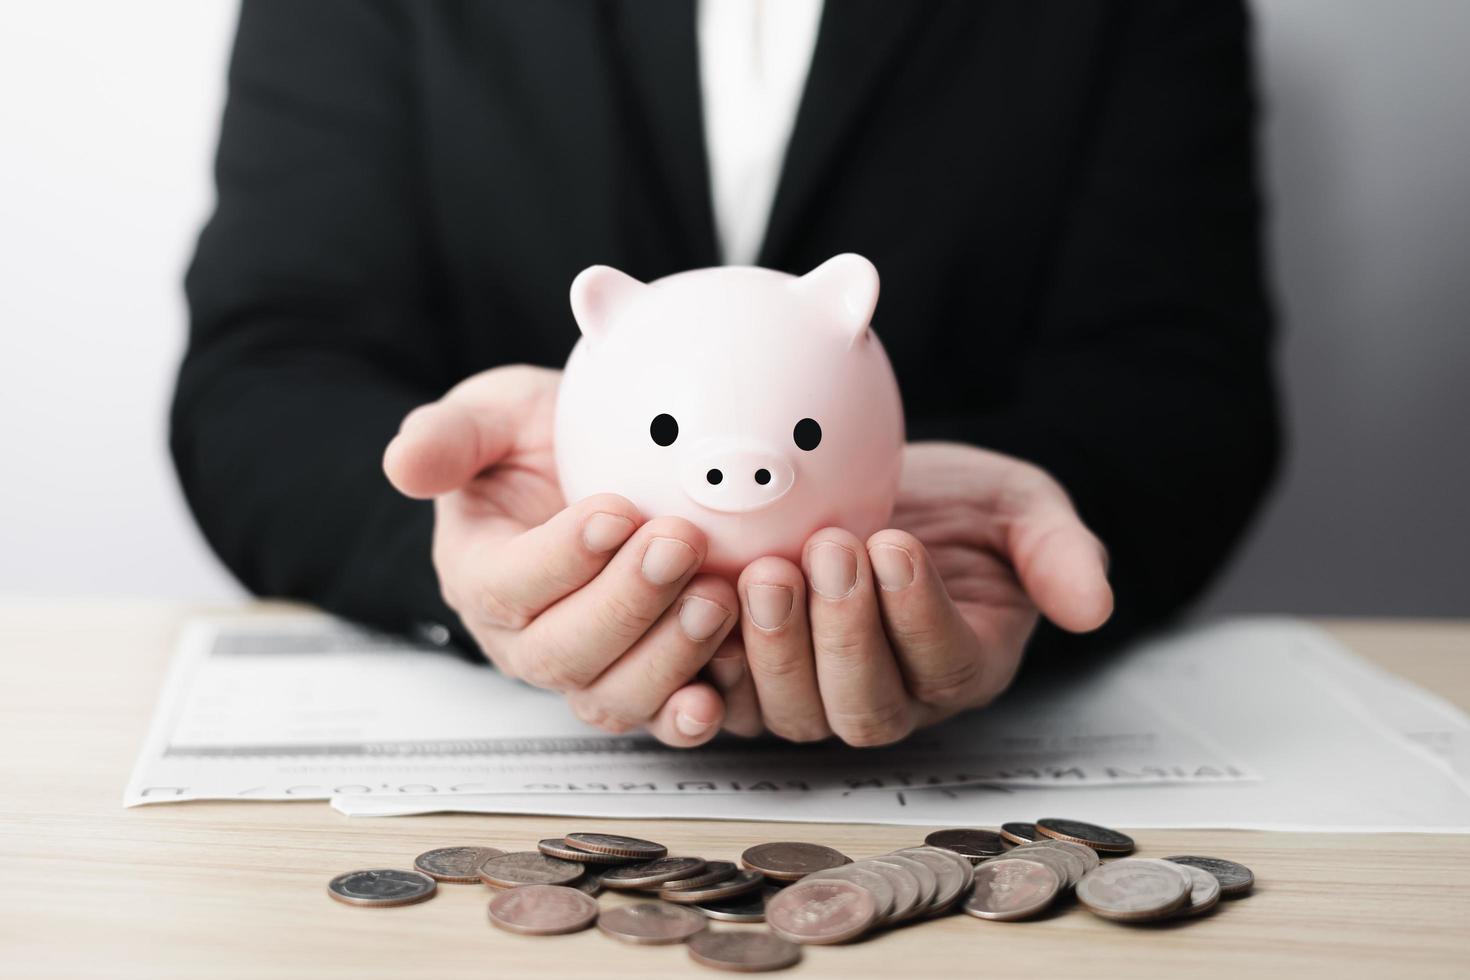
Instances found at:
x=1061 y=198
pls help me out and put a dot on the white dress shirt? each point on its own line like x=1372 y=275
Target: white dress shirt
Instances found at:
x=753 y=61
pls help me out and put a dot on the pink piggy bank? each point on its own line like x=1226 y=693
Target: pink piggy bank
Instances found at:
x=756 y=404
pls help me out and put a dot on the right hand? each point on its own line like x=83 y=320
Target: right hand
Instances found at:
x=590 y=599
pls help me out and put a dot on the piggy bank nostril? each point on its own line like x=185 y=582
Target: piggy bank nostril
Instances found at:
x=763 y=476
x=714 y=476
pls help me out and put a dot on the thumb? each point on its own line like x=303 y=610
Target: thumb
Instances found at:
x=1062 y=565
x=442 y=446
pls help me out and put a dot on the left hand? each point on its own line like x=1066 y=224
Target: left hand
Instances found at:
x=869 y=640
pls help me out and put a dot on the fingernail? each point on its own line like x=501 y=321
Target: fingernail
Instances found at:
x=769 y=605
x=604 y=531
x=666 y=560
x=833 y=569
x=893 y=566
x=690 y=726
x=700 y=618
x=727 y=671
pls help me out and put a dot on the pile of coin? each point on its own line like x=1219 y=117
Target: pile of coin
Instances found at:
x=806 y=894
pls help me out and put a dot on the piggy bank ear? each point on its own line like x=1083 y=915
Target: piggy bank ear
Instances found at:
x=848 y=286
x=598 y=293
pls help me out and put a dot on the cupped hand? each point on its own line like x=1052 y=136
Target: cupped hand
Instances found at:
x=591 y=599
x=869 y=640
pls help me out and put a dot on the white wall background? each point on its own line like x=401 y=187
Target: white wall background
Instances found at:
x=107 y=122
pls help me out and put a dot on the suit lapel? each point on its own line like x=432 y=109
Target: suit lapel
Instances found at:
x=661 y=52
x=857 y=43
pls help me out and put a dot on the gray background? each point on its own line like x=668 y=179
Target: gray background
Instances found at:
x=1368 y=166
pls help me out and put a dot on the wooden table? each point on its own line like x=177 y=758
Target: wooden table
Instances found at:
x=237 y=889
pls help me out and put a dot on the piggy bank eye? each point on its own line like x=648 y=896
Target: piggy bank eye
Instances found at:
x=807 y=434
x=664 y=429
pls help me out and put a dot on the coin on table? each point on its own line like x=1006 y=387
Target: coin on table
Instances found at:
x=740 y=883
x=1204 y=892
x=460 y=864
x=866 y=877
x=543 y=910
x=750 y=907
x=381 y=887
x=1019 y=833
x=948 y=879
x=558 y=848
x=967 y=875
x=714 y=871
x=1235 y=879
x=651 y=923
x=743 y=952
x=928 y=883
x=652 y=874
x=822 y=912
x=974 y=844
x=1085 y=854
x=791 y=860
x=1135 y=890
x=906 y=892
x=617 y=845
x=529 y=868
x=1011 y=888
x=589 y=884
x=1088 y=834
x=1073 y=866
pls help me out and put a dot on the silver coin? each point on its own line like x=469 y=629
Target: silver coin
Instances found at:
x=928 y=883
x=949 y=882
x=905 y=885
x=1135 y=889
x=529 y=868
x=1085 y=854
x=381 y=887
x=1010 y=888
x=1074 y=865
x=821 y=912
x=864 y=877
x=1235 y=879
x=1204 y=893
x=461 y=864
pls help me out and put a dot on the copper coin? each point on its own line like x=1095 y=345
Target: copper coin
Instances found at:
x=1019 y=833
x=974 y=844
x=558 y=848
x=739 y=883
x=948 y=880
x=381 y=888
x=617 y=845
x=651 y=923
x=822 y=912
x=714 y=871
x=460 y=864
x=906 y=893
x=528 y=868
x=743 y=952
x=651 y=874
x=1088 y=834
x=791 y=860
x=1135 y=890
x=543 y=910
x=1071 y=866
x=1010 y=888
x=866 y=877
x=1235 y=879
x=928 y=883
x=1204 y=893
x=750 y=907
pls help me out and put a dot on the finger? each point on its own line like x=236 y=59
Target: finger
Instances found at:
x=580 y=635
x=695 y=707
x=666 y=658
x=1062 y=565
x=508 y=581
x=862 y=689
x=778 y=649
x=729 y=673
x=443 y=445
x=939 y=655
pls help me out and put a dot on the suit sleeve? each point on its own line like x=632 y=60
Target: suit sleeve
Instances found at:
x=1149 y=390
x=312 y=324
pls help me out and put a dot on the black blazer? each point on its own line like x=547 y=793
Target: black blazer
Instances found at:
x=1060 y=196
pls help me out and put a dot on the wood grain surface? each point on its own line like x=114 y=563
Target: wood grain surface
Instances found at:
x=238 y=889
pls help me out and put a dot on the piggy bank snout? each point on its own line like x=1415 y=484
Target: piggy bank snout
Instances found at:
x=735 y=477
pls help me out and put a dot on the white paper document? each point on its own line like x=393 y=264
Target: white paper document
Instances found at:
x=1258 y=723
